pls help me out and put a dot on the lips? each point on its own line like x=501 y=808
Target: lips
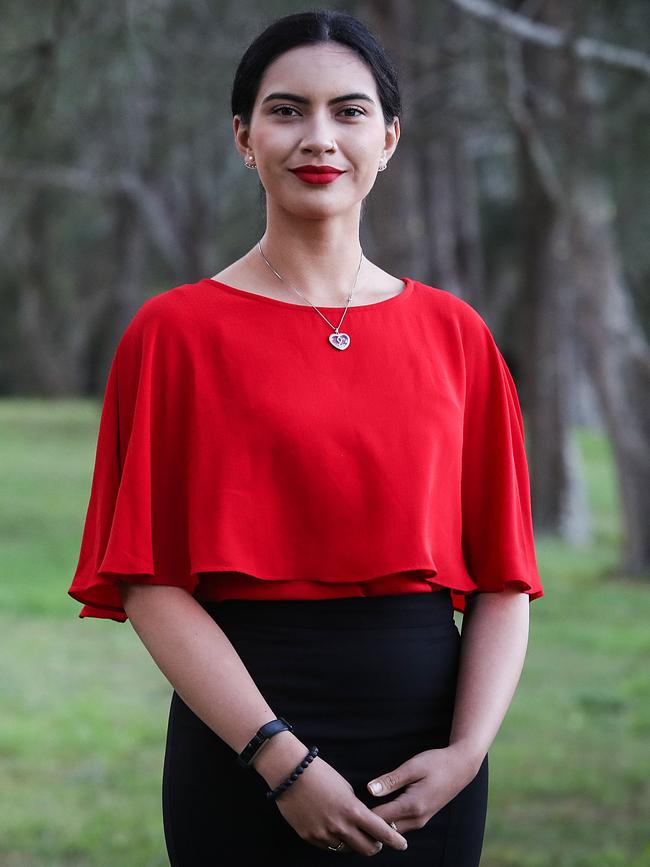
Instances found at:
x=317 y=174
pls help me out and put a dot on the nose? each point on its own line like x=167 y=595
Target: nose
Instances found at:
x=318 y=138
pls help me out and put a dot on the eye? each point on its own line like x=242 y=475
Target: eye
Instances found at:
x=281 y=108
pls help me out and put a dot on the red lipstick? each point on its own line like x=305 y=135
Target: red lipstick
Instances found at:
x=317 y=174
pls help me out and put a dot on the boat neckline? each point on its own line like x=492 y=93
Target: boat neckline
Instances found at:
x=394 y=299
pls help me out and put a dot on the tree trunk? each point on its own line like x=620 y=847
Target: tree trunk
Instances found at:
x=549 y=317
x=617 y=350
x=395 y=207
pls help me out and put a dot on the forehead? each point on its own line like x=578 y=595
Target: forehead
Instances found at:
x=325 y=69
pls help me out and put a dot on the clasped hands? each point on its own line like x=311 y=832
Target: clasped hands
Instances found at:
x=430 y=780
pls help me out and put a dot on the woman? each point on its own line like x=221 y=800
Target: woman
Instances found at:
x=304 y=465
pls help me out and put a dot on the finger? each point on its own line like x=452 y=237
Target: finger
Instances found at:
x=378 y=828
x=400 y=811
x=357 y=840
x=408 y=772
x=403 y=826
x=399 y=808
x=347 y=846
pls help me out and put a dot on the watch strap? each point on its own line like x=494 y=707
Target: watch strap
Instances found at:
x=245 y=758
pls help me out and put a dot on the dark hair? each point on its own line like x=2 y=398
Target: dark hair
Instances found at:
x=312 y=28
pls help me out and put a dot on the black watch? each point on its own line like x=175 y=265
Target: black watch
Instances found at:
x=245 y=758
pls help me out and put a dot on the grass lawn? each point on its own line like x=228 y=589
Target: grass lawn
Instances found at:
x=84 y=707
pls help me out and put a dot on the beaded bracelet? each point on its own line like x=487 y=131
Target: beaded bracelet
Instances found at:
x=309 y=758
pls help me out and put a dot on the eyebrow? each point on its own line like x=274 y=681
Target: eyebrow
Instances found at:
x=302 y=99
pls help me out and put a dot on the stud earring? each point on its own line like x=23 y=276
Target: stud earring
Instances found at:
x=252 y=164
x=383 y=166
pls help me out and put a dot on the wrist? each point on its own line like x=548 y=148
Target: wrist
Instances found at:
x=278 y=757
x=468 y=757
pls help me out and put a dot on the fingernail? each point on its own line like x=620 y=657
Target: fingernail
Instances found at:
x=375 y=787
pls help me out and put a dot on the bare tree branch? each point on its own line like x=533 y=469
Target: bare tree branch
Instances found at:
x=583 y=47
x=152 y=208
x=540 y=154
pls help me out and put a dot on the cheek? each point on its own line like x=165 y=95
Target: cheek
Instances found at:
x=271 y=140
x=368 y=168
x=367 y=157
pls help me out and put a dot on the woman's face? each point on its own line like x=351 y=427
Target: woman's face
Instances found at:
x=303 y=128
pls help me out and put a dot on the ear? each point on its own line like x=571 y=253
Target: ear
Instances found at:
x=242 y=136
x=391 y=138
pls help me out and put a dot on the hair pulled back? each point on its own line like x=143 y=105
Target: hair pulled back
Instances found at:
x=312 y=28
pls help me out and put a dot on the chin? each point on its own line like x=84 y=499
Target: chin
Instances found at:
x=317 y=210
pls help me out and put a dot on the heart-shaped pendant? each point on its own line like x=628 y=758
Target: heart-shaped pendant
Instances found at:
x=339 y=340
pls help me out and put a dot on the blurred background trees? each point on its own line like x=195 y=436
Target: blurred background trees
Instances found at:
x=520 y=183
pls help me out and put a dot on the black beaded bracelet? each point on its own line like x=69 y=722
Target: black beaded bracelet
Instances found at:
x=309 y=758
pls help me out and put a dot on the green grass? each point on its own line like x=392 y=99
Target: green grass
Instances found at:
x=84 y=708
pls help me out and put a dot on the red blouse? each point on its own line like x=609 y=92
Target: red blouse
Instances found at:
x=240 y=455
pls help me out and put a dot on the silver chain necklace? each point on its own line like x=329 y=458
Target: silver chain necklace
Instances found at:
x=338 y=339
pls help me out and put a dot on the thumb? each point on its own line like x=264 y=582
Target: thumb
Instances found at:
x=388 y=782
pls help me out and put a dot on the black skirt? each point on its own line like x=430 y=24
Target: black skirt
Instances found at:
x=371 y=681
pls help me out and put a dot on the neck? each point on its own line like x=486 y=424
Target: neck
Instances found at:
x=321 y=260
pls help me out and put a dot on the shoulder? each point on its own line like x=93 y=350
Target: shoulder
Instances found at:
x=170 y=312
x=454 y=312
x=164 y=326
x=167 y=306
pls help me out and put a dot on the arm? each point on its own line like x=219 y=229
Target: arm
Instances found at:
x=493 y=646
x=494 y=640
x=200 y=662
x=198 y=659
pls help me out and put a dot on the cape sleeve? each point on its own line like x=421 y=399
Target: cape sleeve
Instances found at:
x=497 y=530
x=136 y=523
